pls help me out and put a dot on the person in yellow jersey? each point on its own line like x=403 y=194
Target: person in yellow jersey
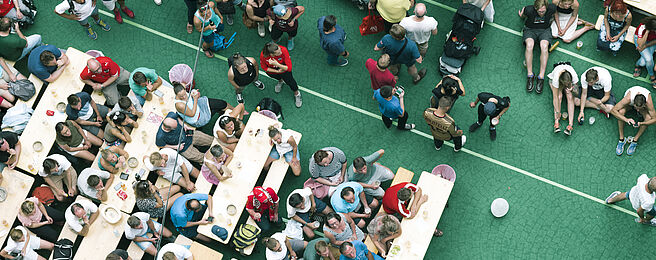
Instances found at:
x=392 y=11
x=443 y=127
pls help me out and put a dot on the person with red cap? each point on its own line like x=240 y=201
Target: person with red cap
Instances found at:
x=262 y=205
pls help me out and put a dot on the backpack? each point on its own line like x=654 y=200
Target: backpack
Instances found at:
x=245 y=236
x=271 y=105
x=63 y=250
x=22 y=89
x=44 y=194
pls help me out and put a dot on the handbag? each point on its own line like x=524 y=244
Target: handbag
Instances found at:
x=372 y=24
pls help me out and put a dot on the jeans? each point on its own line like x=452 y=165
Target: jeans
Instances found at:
x=402 y=121
x=646 y=57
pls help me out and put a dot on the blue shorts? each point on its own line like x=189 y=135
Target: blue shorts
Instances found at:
x=320 y=207
x=288 y=155
x=145 y=244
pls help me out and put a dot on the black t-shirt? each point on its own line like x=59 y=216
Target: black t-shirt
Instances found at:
x=534 y=21
x=11 y=138
x=503 y=102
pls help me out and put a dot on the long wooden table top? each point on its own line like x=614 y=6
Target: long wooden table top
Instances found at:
x=18 y=187
x=102 y=237
x=648 y=6
x=418 y=232
x=251 y=151
x=41 y=127
x=199 y=251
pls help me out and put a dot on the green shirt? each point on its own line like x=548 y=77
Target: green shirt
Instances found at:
x=371 y=169
x=75 y=139
x=11 y=47
x=150 y=75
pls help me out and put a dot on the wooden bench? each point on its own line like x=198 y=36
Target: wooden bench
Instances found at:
x=402 y=175
x=629 y=33
x=274 y=178
x=38 y=84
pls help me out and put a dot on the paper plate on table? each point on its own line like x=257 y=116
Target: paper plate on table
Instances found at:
x=37 y=146
x=111 y=214
x=133 y=162
x=3 y=194
x=232 y=210
x=61 y=107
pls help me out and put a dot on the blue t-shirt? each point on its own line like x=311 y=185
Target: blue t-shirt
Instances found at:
x=180 y=215
x=86 y=105
x=361 y=252
x=34 y=64
x=339 y=204
x=392 y=46
x=391 y=108
x=332 y=43
x=171 y=138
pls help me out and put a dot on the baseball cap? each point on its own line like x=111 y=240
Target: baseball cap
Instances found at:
x=220 y=232
x=489 y=108
x=260 y=194
x=279 y=10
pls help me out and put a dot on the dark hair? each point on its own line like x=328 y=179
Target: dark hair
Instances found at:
x=5 y=24
x=73 y=100
x=386 y=91
x=404 y=194
x=178 y=87
x=238 y=59
x=444 y=102
x=46 y=56
x=76 y=205
x=565 y=79
x=650 y=23
x=269 y=48
x=397 y=32
x=639 y=100
x=113 y=256
x=270 y=242
x=224 y=120
x=346 y=191
x=591 y=75
x=618 y=6
x=49 y=164
x=124 y=102
x=295 y=199
x=329 y=23
x=332 y=215
x=359 y=162
x=273 y=131
x=342 y=248
x=189 y=202
x=139 y=77
x=450 y=84
x=58 y=128
x=142 y=189
x=319 y=155
x=216 y=150
x=93 y=180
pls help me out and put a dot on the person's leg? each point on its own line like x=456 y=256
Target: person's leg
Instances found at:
x=412 y=71
x=290 y=39
x=394 y=69
x=387 y=121
x=202 y=139
x=423 y=48
x=32 y=41
x=192 y=154
x=489 y=12
x=402 y=123
x=73 y=176
x=264 y=223
x=58 y=185
x=620 y=124
x=544 y=57
x=296 y=168
x=111 y=94
x=642 y=128
x=577 y=33
x=438 y=143
x=528 y=55
x=275 y=34
x=46 y=232
x=191 y=9
x=331 y=58
x=457 y=142
x=217 y=106
x=617 y=198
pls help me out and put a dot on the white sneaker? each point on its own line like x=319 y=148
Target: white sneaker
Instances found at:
x=464 y=140
x=298 y=101
x=278 y=87
x=158 y=2
x=260 y=29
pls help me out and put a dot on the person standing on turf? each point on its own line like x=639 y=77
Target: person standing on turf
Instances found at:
x=420 y=27
x=492 y=106
x=277 y=63
x=331 y=38
x=392 y=107
x=641 y=196
x=242 y=72
x=443 y=127
x=378 y=72
x=537 y=29
x=80 y=11
x=637 y=98
x=401 y=51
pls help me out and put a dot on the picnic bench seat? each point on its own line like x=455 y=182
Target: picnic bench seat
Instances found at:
x=629 y=33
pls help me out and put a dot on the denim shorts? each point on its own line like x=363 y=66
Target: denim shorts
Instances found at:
x=288 y=155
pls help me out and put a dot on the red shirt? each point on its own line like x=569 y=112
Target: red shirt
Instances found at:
x=391 y=204
x=263 y=206
x=283 y=59
x=641 y=30
x=5 y=7
x=108 y=66
x=379 y=78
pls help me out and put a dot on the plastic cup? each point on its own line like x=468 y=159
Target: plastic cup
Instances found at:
x=495 y=121
x=367 y=211
x=579 y=44
x=591 y=120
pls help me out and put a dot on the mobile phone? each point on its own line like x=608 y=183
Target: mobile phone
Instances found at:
x=124 y=176
x=117 y=187
x=141 y=173
x=210 y=219
x=158 y=93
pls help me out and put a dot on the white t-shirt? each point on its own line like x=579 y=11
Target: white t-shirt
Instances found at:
x=635 y=90
x=131 y=233
x=305 y=193
x=555 y=75
x=604 y=82
x=63 y=163
x=284 y=147
x=82 y=10
x=170 y=164
x=271 y=255
x=82 y=181
x=16 y=247
x=180 y=252
x=73 y=221
x=419 y=32
x=639 y=197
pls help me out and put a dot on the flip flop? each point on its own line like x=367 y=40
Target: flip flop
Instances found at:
x=636 y=72
x=556 y=128
x=190 y=28
x=568 y=130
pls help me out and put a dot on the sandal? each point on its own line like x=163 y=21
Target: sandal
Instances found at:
x=190 y=28
x=556 y=128
x=568 y=130
x=636 y=72
x=209 y=53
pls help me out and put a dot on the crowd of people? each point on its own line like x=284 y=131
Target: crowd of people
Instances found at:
x=341 y=197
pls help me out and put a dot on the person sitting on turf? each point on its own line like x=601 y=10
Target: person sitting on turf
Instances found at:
x=129 y=105
x=594 y=92
x=639 y=99
x=340 y=228
x=229 y=127
x=645 y=42
x=94 y=183
x=566 y=19
x=143 y=82
x=392 y=107
x=103 y=74
x=443 y=127
x=451 y=87
x=208 y=21
x=262 y=205
x=349 y=198
x=176 y=170
x=187 y=214
x=215 y=164
x=242 y=72
x=562 y=80
x=22 y=243
x=369 y=173
x=281 y=247
x=397 y=201
x=117 y=130
x=76 y=141
x=112 y=159
x=80 y=215
x=56 y=172
x=301 y=204
x=86 y=113
x=492 y=106
x=139 y=225
x=328 y=168
x=378 y=72
x=402 y=51
x=536 y=29
x=641 y=196
x=47 y=62
x=383 y=230
x=356 y=250
x=285 y=145
x=617 y=20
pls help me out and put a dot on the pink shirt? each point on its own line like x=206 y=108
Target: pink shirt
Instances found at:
x=379 y=78
x=34 y=218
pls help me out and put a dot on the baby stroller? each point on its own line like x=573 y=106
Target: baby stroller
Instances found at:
x=459 y=45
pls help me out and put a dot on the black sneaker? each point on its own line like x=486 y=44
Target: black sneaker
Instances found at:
x=529 y=83
x=474 y=126
x=493 y=134
x=539 y=86
x=259 y=85
x=422 y=74
x=240 y=99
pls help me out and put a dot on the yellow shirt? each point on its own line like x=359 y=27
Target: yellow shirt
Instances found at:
x=393 y=11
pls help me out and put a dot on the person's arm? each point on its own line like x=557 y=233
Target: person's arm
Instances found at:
x=651 y=111
x=556 y=100
x=68 y=16
x=503 y=111
x=584 y=98
x=17 y=153
x=416 y=204
x=616 y=109
x=216 y=10
x=629 y=18
x=199 y=25
x=180 y=107
x=121 y=133
x=301 y=10
x=55 y=75
x=521 y=13
x=210 y=206
x=292 y=254
x=185 y=175
x=157 y=83
x=325 y=181
x=363 y=200
x=225 y=139
x=351 y=224
x=332 y=239
x=370 y=256
x=402 y=104
x=103 y=192
x=294 y=145
x=641 y=214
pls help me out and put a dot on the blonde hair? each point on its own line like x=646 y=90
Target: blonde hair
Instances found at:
x=155 y=158
x=321 y=246
x=27 y=207
x=104 y=153
x=16 y=234
x=273 y=131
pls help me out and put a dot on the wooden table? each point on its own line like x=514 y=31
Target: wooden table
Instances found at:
x=417 y=232
x=18 y=187
x=251 y=151
x=102 y=237
x=200 y=252
x=42 y=127
x=648 y=6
